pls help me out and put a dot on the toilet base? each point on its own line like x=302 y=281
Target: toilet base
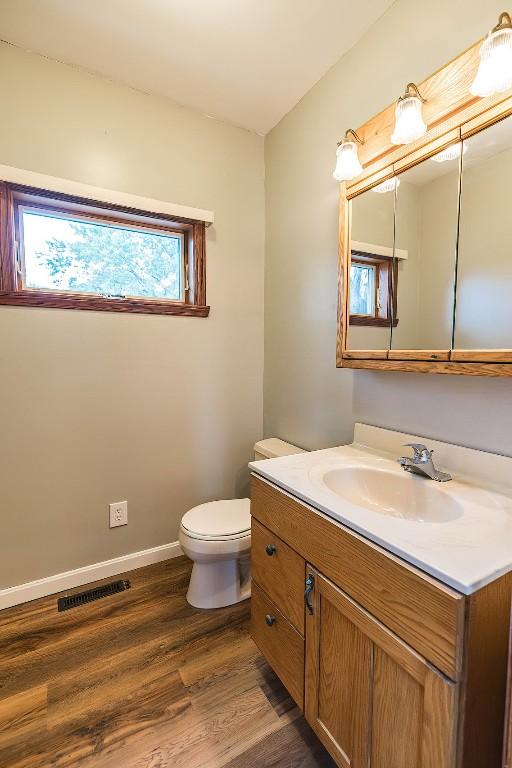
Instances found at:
x=221 y=583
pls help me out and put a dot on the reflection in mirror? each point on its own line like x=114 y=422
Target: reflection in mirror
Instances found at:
x=371 y=268
x=483 y=317
x=426 y=241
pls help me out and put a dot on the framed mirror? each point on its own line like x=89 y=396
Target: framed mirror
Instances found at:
x=483 y=319
x=426 y=225
x=425 y=238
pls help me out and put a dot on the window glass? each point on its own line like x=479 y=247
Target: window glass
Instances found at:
x=362 y=290
x=63 y=252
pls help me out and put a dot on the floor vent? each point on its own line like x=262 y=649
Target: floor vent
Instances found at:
x=74 y=601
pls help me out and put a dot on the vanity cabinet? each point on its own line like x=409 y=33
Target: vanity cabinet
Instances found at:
x=371 y=699
x=390 y=666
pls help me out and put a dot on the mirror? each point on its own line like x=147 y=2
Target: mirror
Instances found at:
x=483 y=317
x=371 y=269
x=427 y=198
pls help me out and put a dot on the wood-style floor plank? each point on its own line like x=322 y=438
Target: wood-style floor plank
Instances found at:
x=143 y=680
x=23 y=716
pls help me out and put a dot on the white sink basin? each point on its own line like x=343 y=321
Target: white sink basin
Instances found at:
x=403 y=495
x=459 y=532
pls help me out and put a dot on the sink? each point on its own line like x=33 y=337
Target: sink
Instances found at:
x=399 y=495
x=459 y=532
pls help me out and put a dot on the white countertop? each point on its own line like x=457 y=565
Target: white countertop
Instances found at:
x=466 y=551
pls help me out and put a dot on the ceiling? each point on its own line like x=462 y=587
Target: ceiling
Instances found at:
x=247 y=62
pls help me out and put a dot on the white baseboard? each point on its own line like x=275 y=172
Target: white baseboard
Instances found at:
x=69 y=579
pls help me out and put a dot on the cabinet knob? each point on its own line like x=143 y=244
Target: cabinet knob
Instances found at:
x=270 y=549
x=271 y=620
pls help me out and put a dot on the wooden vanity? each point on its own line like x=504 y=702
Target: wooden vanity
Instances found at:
x=392 y=668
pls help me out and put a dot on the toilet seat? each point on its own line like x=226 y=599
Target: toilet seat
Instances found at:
x=225 y=520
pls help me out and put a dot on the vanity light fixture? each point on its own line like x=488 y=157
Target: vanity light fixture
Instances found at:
x=495 y=70
x=409 y=123
x=450 y=153
x=387 y=186
x=347 y=160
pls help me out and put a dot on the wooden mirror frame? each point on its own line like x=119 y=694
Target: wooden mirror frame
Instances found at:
x=452 y=114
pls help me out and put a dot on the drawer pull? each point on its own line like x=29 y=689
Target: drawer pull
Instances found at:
x=270 y=549
x=271 y=620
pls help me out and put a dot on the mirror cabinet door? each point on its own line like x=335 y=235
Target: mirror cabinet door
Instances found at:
x=483 y=319
x=371 y=271
x=426 y=223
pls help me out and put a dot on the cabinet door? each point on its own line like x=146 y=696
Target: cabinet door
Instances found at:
x=371 y=699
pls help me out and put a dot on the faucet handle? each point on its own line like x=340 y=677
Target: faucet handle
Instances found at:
x=419 y=449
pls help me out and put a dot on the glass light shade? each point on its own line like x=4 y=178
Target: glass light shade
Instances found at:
x=450 y=153
x=495 y=70
x=409 y=123
x=387 y=186
x=347 y=162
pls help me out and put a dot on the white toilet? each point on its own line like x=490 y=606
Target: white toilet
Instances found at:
x=217 y=537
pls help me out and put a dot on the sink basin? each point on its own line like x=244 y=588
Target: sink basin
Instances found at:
x=399 y=495
x=459 y=532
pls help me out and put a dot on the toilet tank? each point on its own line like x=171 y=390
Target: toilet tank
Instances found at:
x=272 y=447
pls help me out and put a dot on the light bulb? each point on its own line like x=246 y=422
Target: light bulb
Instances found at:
x=495 y=69
x=450 y=153
x=387 y=186
x=347 y=162
x=409 y=123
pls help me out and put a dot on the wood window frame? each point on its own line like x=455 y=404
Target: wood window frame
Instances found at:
x=14 y=293
x=386 y=283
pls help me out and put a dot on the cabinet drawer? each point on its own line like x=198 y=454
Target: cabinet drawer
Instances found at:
x=420 y=610
x=280 y=572
x=279 y=642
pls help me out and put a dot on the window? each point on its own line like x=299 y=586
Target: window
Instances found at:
x=60 y=251
x=363 y=286
x=372 y=289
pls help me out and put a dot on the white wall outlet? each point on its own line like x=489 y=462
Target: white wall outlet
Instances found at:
x=118 y=513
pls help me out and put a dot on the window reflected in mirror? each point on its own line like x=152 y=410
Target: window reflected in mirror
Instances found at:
x=484 y=277
x=371 y=269
x=425 y=251
x=363 y=282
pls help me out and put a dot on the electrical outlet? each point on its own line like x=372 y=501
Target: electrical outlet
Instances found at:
x=118 y=513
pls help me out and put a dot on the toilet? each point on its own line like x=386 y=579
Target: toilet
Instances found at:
x=216 y=536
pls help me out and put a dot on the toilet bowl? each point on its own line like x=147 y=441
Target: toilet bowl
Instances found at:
x=216 y=536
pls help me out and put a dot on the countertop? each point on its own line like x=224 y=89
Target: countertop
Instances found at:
x=466 y=551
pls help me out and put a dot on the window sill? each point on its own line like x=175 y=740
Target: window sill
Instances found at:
x=100 y=303
x=376 y=322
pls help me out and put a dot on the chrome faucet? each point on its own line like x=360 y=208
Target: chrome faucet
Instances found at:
x=421 y=463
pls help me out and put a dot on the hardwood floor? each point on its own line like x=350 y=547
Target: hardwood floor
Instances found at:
x=143 y=680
